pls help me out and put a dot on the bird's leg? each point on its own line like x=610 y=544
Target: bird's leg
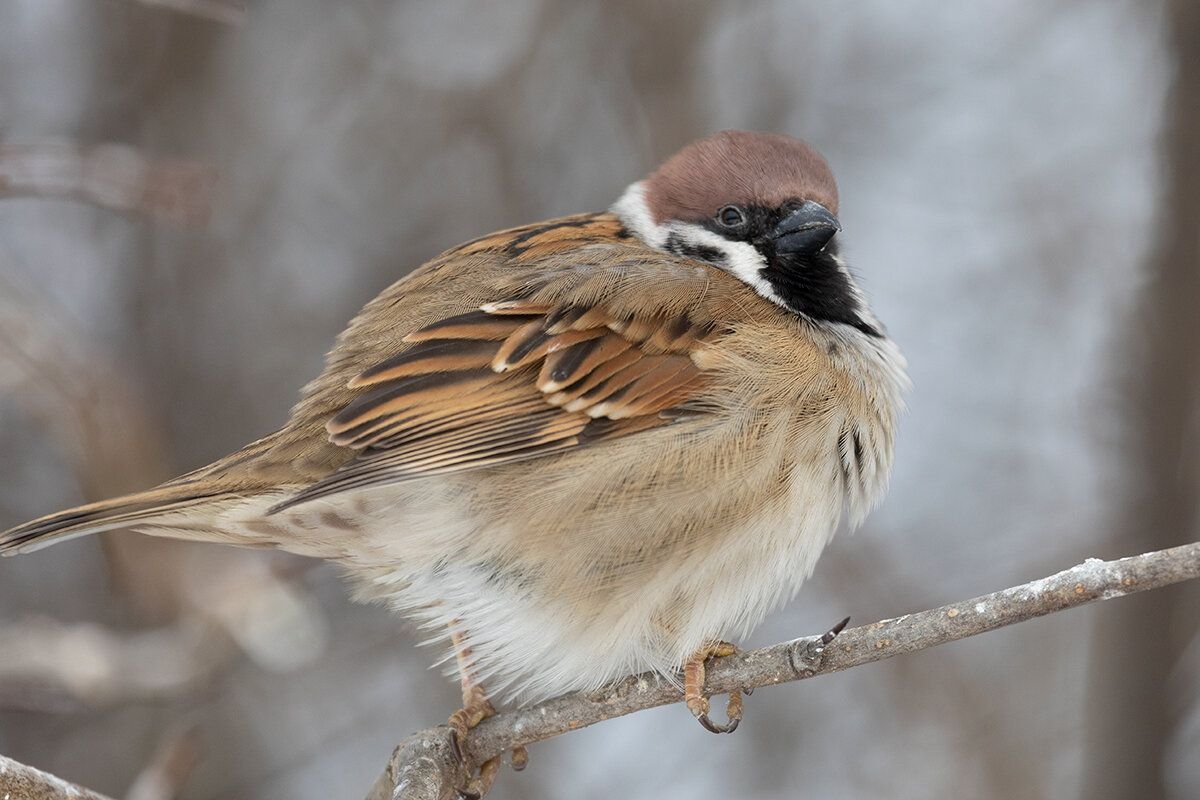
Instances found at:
x=476 y=708
x=693 y=688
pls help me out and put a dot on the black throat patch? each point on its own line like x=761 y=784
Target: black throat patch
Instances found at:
x=812 y=284
x=817 y=287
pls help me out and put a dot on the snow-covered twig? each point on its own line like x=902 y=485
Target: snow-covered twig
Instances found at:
x=426 y=767
x=423 y=767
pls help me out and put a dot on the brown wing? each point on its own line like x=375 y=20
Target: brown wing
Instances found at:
x=510 y=381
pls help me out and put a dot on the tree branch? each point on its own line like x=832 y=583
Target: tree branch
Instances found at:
x=422 y=767
x=92 y=665
x=109 y=175
x=27 y=783
x=159 y=780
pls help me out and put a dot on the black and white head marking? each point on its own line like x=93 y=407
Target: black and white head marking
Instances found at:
x=812 y=281
x=740 y=259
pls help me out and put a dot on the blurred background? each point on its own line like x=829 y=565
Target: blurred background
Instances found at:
x=198 y=194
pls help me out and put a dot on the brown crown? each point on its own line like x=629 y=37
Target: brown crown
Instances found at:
x=741 y=167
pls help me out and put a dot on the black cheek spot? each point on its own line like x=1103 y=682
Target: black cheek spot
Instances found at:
x=701 y=252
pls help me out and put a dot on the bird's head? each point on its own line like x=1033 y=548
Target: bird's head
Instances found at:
x=759 y=206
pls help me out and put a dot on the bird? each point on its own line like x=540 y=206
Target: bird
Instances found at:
x=602 y=444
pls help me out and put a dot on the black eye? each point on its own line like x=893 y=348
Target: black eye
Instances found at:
x=731 y=216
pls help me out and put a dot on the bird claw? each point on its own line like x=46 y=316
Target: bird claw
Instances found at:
x=693 y=690
x=479 y=785
x=476 y=709
x=712 y=727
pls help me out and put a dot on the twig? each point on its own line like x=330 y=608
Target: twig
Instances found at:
x=110 y=175
x=420 y=768
x=423 y=767
x=231 y=12
x=27 y=783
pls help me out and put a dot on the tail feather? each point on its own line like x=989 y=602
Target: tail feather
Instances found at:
x=121 y=512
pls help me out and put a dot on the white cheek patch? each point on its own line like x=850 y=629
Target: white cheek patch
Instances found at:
x=631 y=208
x=739 y=259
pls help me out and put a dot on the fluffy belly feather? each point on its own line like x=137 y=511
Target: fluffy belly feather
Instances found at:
x=541 y=623
x=655 y=564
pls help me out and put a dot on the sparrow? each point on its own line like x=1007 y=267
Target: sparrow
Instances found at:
x=598 y=445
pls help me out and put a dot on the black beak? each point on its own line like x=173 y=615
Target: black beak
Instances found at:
x=806 y=230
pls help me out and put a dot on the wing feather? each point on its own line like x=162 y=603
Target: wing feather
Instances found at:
x=512 y=380
x=438 y=355
x=568 y=365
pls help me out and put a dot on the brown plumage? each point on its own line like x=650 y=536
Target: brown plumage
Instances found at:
x=739 y=167
x=591 y=445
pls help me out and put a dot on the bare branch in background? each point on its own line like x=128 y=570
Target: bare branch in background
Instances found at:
x=113 y=176
x=89 y=404
x=96 y=666
x=85 y=401
x=422 y=769
x=231 y=12
x=20 y=782
x=169 y=767
x=48 y=665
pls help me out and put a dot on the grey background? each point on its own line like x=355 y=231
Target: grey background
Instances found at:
x=1008 y=178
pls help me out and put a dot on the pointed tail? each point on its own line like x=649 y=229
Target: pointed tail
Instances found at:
x=159 y=506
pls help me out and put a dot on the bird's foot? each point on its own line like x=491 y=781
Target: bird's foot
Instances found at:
x=693 y=689
x=462 y=721
x=476 y=708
